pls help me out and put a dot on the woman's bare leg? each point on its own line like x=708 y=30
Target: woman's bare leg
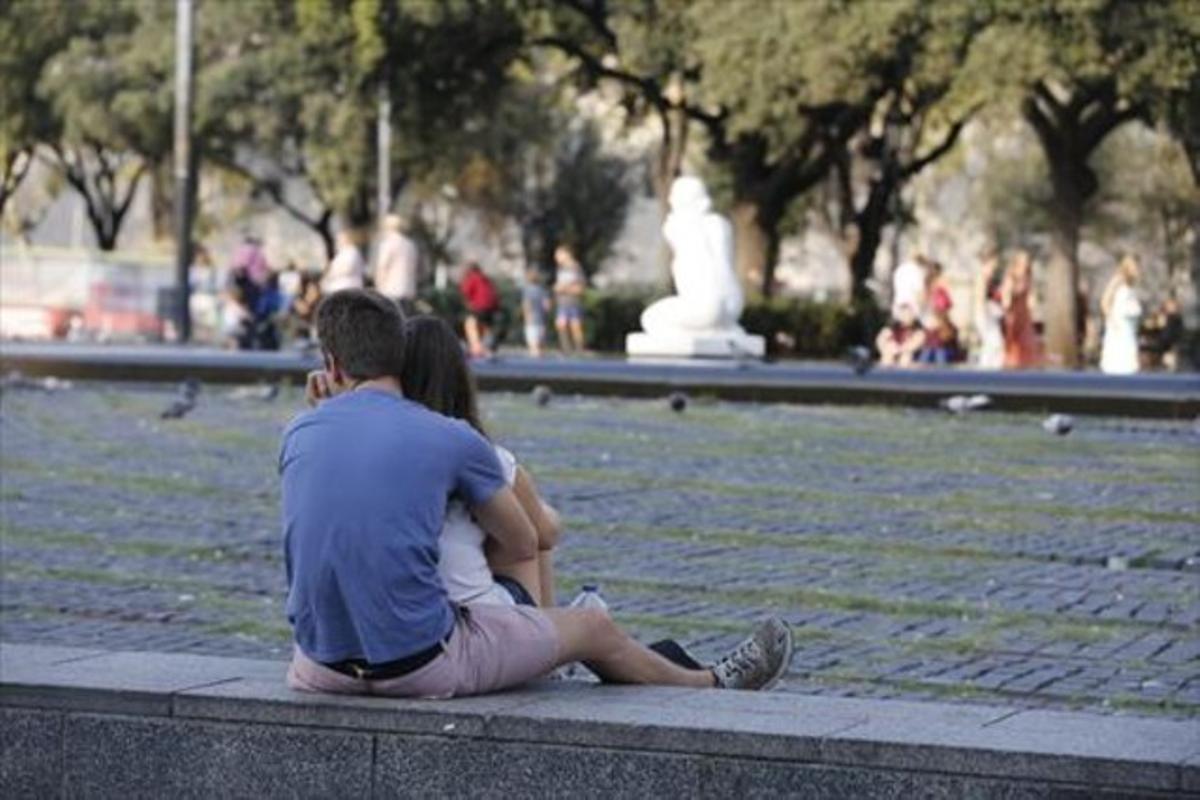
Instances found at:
x=471 y=329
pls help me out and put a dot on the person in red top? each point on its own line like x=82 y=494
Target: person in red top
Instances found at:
x=941 y=334
x=483 y=301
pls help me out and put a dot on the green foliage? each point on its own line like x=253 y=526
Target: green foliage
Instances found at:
x=610 y=316
x=811 y=329
x=793 y=328
x=548 y=173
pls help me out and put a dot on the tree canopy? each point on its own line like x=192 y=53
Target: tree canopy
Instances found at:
x=830 y=104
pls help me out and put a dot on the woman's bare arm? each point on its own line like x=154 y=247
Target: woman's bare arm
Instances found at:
x=544 y=518
x=512 y=543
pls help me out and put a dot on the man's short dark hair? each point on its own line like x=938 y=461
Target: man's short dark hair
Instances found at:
x=362 y=331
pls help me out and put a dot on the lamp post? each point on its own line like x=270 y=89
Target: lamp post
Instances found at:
x=184 y=165
x=383 y=148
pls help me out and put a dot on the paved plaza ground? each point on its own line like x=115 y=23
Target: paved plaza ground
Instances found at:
x=916 y=554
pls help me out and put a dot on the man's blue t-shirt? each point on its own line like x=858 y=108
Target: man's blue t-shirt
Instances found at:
x=366 y=479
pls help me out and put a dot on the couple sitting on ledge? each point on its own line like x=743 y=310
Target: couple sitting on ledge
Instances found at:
x=418 y=552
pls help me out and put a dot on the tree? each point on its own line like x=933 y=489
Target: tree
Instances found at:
x=770 y=145
x=309 y=86
x=917 y=119
x=32 y=33
x=1088 y=68
x=109 y=94
x=545 y=170
x=780 y=94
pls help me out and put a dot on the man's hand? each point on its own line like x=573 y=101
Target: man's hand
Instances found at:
x=319 y=386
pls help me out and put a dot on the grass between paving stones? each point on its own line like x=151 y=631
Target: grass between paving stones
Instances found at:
x=883 y=549
x=641 y=443
x=161 y=485
x=965 y=692
x=773 y=599
x=129 y=547
x=974 y=503
x=752 y=537
x=108 y=577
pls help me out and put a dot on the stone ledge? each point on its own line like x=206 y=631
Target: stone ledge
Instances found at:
x=1168 y=396
x=199 y=701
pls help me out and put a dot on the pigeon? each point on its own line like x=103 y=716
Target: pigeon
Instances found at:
x=184 y=402
x=860 y=359
x=678 y=402
x=961 y=404
x=19 y=380
x=53 y=384
x=541 y=395
x=1058 y=424
x=266 y=392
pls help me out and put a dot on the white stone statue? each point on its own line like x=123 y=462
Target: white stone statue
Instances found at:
x=701 y=319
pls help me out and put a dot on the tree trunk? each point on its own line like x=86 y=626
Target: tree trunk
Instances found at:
x=1073 y=182
x=324 y=229
x=869 y=223
x=755 y=246
x=162 y=201
x=1062 y=294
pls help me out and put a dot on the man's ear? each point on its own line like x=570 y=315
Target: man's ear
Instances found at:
x=336 y=376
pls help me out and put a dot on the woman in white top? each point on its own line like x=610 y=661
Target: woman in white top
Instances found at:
x=472 y=568
x=1119 y=354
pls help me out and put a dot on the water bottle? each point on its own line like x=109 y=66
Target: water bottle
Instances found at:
x=588 y=597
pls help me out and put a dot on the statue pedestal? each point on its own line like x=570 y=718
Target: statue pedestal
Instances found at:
x=706 y=344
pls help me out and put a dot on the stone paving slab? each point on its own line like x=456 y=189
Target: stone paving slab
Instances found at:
x=917 y=555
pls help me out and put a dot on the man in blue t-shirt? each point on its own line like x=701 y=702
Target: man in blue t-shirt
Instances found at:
x=367 y=476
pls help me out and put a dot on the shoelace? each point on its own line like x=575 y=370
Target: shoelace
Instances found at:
x=742 y=660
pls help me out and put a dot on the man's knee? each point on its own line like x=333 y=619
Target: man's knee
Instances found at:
x=600 y=626
x=587 y=632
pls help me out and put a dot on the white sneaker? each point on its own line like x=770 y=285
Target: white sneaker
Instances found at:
x=759 y=662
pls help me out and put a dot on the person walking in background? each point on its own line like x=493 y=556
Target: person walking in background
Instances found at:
x=1021 y=347
x=569 y=285
x=482 y=301
x=1121 y=309
x=397 y=264
x=535 y=305
x=989 y=312
x=347 y=269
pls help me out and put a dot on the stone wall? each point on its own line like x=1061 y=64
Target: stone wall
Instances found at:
x=86 y=723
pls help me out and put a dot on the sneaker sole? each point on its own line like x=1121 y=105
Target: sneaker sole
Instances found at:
x=783 y=665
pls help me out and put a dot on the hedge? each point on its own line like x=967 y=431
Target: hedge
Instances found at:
x=792 y=327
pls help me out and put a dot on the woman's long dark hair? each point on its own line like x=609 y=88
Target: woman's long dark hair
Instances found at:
x=436 y=374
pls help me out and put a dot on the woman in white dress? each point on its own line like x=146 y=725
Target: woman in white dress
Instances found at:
x=989 y=313
x=1119 y=354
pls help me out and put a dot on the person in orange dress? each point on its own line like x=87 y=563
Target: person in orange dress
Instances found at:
x=1022 y=350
